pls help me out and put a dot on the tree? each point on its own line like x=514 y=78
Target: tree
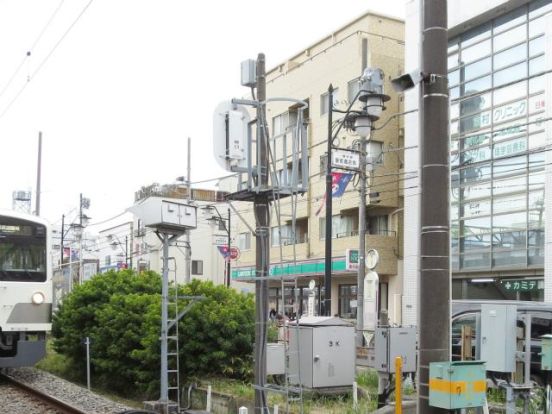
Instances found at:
x=120 y=312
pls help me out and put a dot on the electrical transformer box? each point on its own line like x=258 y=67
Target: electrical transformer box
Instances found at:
x=455 y=385
x=322 y=352
x=498 y=337
x=392 y=342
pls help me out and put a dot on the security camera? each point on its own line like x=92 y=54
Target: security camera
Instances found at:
x=407 y=81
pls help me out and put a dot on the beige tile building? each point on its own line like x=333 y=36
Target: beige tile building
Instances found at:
x=369 y=41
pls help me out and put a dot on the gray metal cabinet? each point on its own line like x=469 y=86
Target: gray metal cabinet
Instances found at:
x=326 y=354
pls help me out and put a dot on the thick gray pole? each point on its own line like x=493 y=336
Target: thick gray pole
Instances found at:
x=38 y=174
x=228 y=268
x=262 y=246
x=164 y=397
x=361 y=243
x=328 y=235
x=434 y=287
x=188 y=255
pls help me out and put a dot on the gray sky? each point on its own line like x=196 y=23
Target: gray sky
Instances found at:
x=129 y=82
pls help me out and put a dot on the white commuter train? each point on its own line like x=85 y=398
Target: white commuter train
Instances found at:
x=25 y=288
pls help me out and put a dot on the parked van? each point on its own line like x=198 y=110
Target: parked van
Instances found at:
x=465 y=312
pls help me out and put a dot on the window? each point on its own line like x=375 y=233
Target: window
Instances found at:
x=347 y=294
x=324 y=101
x=282 y=122
x=197 y=267
x=378 y=225
x=244 y=241
x=342 y=226
x=107 y=260
x=281 y=235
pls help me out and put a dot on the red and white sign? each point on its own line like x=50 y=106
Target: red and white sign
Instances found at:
x=232 y=254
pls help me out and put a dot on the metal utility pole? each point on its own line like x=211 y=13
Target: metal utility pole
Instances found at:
x=434 y=299
x=164 y=397
x=131 y=253
x=361 y=243
x=228 y=269
x=38 y=174
x=328 y=240
x=126 y=251
x=62 y=238
x=262 y=253
x=188 y=255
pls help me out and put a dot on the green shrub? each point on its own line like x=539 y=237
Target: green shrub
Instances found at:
x=121 y=313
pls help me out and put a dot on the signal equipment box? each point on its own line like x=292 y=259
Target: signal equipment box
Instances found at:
x=546 y=352
x=498 y=337
x=325 y=354
x=166 y=215
x=392 y=342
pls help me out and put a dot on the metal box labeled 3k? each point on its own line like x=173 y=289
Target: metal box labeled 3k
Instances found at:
x=457 y=384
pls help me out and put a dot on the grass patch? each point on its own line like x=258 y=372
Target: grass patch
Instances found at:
x=57 y=364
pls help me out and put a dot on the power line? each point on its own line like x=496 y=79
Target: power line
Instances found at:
x=43 y=62
x=30 y=50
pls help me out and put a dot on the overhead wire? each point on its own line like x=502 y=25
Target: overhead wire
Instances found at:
x=46 y=58
x=29 y=51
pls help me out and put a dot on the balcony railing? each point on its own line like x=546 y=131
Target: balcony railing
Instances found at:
x=354 y=233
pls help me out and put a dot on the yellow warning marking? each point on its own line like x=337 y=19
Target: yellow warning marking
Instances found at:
x=480 y=386
x=449 y=387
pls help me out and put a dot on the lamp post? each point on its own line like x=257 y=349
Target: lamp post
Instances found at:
x=117 y=242
x=226 y=222
x=361 y=122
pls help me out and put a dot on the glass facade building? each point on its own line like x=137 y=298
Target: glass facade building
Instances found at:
x=497 y=80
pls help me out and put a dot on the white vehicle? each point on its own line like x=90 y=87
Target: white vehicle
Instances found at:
x=25 y=288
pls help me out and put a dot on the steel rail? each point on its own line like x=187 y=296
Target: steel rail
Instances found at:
x=60 y=405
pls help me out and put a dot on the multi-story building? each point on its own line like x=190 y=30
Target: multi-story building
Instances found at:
x=369 y=41
x=499 y=60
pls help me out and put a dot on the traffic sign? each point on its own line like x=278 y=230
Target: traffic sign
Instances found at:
x=233 y=254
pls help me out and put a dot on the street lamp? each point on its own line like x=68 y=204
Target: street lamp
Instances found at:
x=360 y=122
x=213 y=219
x=116 y=242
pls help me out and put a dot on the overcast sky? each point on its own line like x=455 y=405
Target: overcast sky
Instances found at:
x=128 y=81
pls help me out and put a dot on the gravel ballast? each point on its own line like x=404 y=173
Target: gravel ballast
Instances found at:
x=66 y=391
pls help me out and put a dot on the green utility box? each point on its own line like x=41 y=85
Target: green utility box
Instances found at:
x=546 y=352
x=457 y=384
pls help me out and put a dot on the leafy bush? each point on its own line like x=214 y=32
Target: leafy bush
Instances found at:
x=217 y=334
x=121 y=313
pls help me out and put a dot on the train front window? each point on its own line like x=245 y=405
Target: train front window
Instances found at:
x=22 y=251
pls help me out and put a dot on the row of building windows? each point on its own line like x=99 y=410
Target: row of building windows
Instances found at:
x=498 y=141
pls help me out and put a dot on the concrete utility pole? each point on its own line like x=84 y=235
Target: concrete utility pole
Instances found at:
x=188 y=255
x=328 y=235
x=38 y=174
x=361 y=243
x=262 y=252
x=434 y=299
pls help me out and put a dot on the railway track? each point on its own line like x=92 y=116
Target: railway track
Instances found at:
x=18 y=397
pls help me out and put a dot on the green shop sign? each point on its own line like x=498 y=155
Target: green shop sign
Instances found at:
x=298 y=269
x=521 y=285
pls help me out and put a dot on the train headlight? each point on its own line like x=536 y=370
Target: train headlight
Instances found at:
x=38 y=298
